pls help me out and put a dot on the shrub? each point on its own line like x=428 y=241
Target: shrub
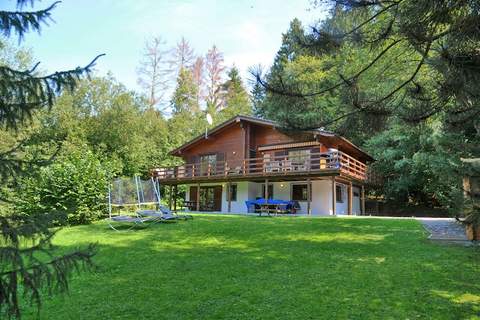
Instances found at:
x=75 y=185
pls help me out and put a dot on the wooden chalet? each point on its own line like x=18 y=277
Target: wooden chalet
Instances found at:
x=247 y=158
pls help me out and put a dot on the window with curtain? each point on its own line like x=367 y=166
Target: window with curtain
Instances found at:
x=299 y=155
x=299 y=192
x=206 y=160
x=233 y=192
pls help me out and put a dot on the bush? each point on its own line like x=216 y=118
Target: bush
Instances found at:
x=75 y=185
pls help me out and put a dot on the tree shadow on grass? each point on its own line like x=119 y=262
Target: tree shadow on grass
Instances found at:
x=219 y=267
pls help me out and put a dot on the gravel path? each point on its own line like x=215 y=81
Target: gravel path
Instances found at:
x=444 y=229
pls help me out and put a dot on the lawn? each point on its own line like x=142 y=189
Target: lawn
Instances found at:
x=238 y=267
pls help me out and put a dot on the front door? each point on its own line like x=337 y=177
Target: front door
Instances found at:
x=210 y=197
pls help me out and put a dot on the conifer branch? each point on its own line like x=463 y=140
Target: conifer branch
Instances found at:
x=22 y=22
x=23 y=92
x=28 y=262
x=297 y=94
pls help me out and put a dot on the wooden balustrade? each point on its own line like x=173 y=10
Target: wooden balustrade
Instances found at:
x=313 y=162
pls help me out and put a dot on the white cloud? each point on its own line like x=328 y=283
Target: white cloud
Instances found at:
x=251 y=33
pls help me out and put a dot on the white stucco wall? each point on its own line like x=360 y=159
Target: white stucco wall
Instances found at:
x=342 y=207
x=356 y=209
x=321 y=196
x=242 y=196
x=254 y=190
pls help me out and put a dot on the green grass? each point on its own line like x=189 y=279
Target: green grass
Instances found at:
x=237 y=267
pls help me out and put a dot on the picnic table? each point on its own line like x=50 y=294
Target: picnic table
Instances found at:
x=271 y=206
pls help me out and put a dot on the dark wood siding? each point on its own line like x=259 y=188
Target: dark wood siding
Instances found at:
x=241 y=140
x=193 y=194
x=267 y=135
x=314 y=158
x=227 y=144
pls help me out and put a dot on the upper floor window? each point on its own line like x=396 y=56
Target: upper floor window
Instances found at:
x=208 y=163
x=299 y=155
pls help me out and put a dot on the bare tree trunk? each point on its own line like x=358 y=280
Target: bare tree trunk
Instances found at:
x=152 y=72
x=215 y=70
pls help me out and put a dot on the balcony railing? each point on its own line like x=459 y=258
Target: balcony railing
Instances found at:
x=281 y=165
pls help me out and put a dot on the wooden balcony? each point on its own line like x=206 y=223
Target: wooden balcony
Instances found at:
x=283 y=167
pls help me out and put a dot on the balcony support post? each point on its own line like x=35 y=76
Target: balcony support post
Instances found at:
x=175 y=198
x=350 y=198
x=229 y=196
x=198 y=197
x=334 y=196
x=309 y=196
x=363 y=199
x=170 y=197
x=266 y=190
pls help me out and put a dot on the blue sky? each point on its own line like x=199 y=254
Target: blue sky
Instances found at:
x=247 y=32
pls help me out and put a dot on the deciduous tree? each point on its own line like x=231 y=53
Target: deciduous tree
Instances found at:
x=198 y=73
x=152 y=72
x=182 y=57
x=215 y=70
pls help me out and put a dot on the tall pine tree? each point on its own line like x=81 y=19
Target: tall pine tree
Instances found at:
x=378 y=72
x=186 y=115
x=29 y=263
x=235 y=97
x=184 y=98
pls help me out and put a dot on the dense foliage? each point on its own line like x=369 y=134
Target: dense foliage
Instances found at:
x=119 y=132
x=74 y=184
x=398 y=78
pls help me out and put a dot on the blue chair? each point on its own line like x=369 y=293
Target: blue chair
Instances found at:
x=250 y=206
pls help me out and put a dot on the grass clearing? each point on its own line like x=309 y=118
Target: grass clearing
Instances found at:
x=245 y=267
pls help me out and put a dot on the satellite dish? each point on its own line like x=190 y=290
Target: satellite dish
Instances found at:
x=209 y=119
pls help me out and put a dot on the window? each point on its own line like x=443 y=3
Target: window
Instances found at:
x=233 y=192
x=356 y=194
x=339 y=193
x=205 y=161
x=299 y=192
x=270 y=191
x=299 y=155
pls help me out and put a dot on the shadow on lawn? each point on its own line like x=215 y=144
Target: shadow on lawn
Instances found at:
x=244 y=267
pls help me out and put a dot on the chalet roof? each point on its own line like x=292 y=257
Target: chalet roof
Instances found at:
x=263 y=122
